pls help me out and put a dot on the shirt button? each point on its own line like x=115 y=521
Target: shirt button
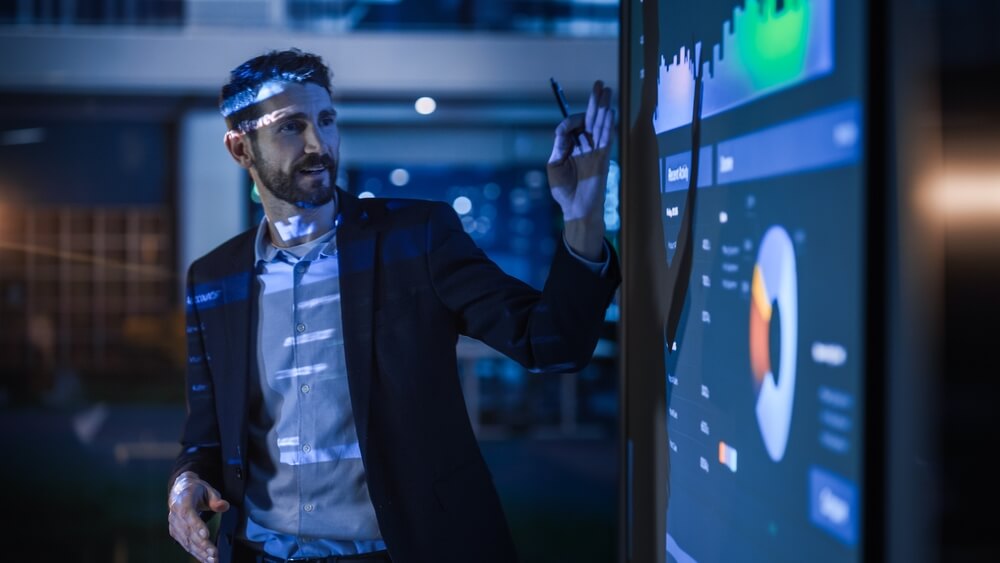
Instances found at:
x=301 y=327
x=308 y=508
x=306 y=388
x=307 y=448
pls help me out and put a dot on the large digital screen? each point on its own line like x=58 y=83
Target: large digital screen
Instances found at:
x=757 y=112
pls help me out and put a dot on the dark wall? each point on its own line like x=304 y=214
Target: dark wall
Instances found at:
x=970 y=119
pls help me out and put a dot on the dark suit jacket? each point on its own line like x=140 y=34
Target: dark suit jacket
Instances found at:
x=411 y=281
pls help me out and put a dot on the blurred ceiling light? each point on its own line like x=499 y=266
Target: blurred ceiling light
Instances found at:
x=425 y=105
x=462 y=205
x=22 y=136
x=966 y=192
x=399 y=177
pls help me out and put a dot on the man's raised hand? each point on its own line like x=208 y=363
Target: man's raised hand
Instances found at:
x=578 y=172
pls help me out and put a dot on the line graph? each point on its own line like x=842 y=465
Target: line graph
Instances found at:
x=767 y=46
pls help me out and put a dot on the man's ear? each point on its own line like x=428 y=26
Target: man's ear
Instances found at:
x=238 y=145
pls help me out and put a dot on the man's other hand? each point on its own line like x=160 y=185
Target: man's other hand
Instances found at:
x=189 y=496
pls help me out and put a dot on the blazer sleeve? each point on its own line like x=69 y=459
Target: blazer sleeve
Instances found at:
x=200 y=447
x=555 y=330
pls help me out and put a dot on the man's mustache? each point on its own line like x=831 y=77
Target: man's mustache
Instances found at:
x=314 y=160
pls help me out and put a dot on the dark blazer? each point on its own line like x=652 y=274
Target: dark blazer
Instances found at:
x=411 y=281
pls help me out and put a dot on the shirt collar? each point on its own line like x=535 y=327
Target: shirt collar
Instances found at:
x=266 y=252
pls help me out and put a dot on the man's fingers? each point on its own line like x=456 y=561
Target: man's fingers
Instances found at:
x=561 y=150
x=600 y=120
x=566 y=131
x=599 y=126
x=182 y=535
x=194 y=539
x=579 y=134
x=574 y=122
x=192 y=529
x=190 y=518
x=605 y=100
x=592 y=103
x=607 y=129
x=601 y=123
x=201 y=551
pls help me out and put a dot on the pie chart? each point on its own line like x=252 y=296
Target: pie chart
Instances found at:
x=774 y=299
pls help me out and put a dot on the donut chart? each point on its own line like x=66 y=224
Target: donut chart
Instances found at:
x=774 y=282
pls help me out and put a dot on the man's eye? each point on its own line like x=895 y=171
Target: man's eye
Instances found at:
x=290 y=127
x=328 y=121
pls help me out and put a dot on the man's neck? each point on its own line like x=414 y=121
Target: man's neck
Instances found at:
x=290 y=225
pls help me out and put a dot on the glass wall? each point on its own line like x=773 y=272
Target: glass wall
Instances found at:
x=548 y=17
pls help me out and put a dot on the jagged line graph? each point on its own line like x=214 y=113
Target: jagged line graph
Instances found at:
x=764 y=49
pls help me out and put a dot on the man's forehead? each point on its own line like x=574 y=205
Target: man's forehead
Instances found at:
x=277 y=95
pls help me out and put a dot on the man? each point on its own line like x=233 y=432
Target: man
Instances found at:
x=325 y=417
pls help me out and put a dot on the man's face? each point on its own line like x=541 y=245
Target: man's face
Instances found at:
x=297 y=146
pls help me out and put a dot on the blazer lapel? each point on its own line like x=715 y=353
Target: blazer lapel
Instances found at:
x=241 y=346
x=356 y=250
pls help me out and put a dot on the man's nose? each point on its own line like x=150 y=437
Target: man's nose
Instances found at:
x=314 y=142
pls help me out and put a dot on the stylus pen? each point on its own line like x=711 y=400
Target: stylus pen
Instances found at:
x=563 y=104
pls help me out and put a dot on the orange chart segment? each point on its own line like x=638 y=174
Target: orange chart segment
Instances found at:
x=760 y=323
x=774 y=281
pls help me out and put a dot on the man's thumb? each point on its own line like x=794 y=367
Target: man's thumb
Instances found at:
x=216 y=502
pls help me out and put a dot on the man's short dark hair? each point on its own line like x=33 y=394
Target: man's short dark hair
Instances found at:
x=237 y=101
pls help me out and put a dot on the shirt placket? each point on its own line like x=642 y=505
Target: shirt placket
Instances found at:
x=299 y=327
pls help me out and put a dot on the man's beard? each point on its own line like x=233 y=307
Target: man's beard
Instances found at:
x=285 y=186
